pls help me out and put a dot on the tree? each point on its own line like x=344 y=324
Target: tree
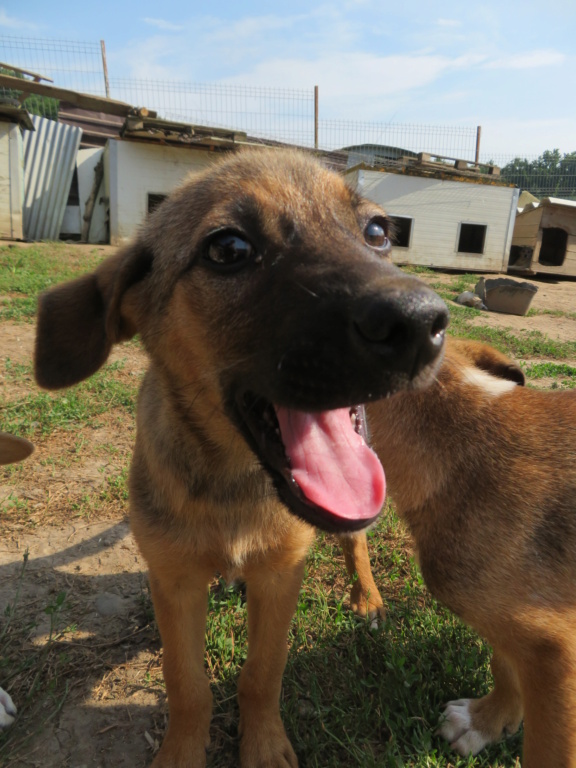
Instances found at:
x=552 y=174
x=36 y=105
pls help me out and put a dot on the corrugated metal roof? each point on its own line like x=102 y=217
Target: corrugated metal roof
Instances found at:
x=49 y=161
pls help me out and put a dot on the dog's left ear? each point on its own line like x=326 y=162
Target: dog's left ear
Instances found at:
x=505 y=369
x=490 y=360
x=80 y=321
x=13 y=449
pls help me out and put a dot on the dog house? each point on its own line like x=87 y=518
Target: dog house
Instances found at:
x=446 y=216
x=544 y=238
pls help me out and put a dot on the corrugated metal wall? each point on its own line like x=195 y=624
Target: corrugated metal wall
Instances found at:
x=49 y=161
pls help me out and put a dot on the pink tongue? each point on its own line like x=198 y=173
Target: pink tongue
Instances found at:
x=332 y=464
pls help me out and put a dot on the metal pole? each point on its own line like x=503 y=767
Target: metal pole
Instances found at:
x=315 y=117
x=478 y=134
x=105 y=68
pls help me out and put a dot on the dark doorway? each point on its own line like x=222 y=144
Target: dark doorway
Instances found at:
x=553 y=248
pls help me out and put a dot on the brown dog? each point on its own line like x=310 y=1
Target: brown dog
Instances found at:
x=483 y=471
x=264 y=298
x=12 y=450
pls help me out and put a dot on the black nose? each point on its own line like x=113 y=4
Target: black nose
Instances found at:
x=404 y=328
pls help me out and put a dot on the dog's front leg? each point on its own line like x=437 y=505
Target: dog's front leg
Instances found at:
x=471 y=724
x=548 y=686
x=365 y=599
x=272 y=598
x=180 y=597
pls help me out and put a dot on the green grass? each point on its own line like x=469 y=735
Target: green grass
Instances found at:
x=546 y=370
x=45 y=412
x=26 y=271
x=353 y=694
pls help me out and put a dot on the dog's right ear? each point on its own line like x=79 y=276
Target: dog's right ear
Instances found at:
x=80 y=321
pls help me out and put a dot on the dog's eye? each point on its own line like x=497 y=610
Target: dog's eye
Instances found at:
x=229 y=251
x=376 y=237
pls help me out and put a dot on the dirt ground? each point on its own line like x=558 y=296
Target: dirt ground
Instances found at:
x=552 y=296
x=114 y=714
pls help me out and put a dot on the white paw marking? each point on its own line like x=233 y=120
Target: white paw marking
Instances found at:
x=456 y=727
x=7 y=709
x=491 y=385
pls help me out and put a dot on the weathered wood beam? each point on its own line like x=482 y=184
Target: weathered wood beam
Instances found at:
x=83 y=100
x=35 y=75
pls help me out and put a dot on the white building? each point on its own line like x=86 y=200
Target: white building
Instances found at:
x=445 y=216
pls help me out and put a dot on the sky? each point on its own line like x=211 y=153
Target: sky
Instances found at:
x=505 y=65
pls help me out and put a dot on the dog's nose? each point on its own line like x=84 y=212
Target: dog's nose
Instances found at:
x=404 y=328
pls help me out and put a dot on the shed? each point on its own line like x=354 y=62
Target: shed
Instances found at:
x=544 y=238
x=13 y=120
x=447 y=216
x=150 y=160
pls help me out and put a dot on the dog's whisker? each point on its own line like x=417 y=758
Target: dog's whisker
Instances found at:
x=306 y=289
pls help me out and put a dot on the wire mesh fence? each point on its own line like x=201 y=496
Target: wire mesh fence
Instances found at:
x=370 y=138
x=74 y=65
x=551 y=174
x=275 y=114
x=281 y=114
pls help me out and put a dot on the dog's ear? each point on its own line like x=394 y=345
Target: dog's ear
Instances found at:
x=13 y=449
x=80 y=321
x=489 y=359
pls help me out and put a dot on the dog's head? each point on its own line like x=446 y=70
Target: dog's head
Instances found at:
x=267 y=280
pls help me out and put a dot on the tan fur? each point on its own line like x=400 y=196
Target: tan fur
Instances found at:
x=201 y=501
x=487 y=485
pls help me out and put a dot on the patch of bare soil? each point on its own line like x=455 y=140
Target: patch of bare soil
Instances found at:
x=559 y=328
x=106 y=652
x=552 y=296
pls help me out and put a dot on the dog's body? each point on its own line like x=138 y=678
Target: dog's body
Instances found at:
x=483 y=471
x=12 y=450
x=264 y=280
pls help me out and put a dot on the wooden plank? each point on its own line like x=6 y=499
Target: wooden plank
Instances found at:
x=35 y=75
x=84 y=100
x=17 y=115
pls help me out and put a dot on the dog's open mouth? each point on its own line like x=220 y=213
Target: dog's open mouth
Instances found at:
x=321 y=464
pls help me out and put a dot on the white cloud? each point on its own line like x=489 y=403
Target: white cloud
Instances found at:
x=448 y=23
x=164 y=25
x=502 y=139
x=11 y=22
x=528 y=60
x=356 y=85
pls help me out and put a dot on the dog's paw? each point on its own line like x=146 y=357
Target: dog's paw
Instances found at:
x=7 y=709
x=267 y=747
x=367 y=604
x=457 y=727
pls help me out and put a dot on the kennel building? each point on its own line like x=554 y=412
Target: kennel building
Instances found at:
x=544 y=238
x=450 y=215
